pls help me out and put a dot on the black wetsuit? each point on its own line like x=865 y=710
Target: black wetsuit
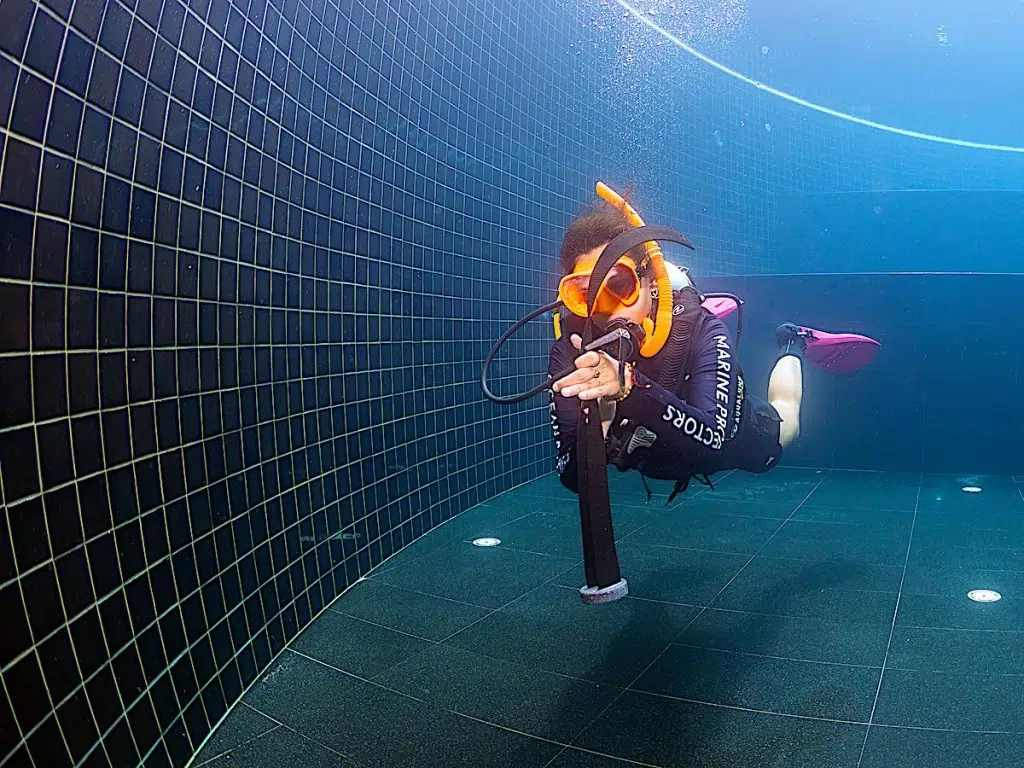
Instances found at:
x=708 y=424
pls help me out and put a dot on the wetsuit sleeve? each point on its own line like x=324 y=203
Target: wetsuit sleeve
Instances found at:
x=697 y=428
x=565 y=415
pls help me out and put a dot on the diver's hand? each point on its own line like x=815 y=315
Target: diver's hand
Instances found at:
x=596 y=376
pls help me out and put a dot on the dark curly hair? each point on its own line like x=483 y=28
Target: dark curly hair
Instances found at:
x=596 y=226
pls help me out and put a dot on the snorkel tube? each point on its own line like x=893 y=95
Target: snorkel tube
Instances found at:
x=658 y=335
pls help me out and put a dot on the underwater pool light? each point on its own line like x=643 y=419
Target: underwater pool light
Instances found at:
x=486 y=542
x=984 y=595
x=971 y=489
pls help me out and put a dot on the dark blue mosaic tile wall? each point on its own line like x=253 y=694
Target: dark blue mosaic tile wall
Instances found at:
x=251 y=257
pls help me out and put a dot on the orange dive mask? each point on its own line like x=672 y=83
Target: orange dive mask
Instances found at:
x=621 y=288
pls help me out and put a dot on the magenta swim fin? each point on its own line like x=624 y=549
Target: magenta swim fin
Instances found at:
x=838 y=352
x=720 y=306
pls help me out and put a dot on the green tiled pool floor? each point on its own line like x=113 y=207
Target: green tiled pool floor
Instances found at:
x=798 y=618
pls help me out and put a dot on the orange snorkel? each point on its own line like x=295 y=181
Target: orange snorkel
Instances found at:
x=657 y=332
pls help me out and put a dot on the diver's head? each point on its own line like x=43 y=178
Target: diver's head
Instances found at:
x=585 y=239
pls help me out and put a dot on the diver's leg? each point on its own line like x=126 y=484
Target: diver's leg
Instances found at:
x=786 y=385
x=785 y=391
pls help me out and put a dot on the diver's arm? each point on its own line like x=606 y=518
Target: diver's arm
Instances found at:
x=699 y=427
x=565 y=415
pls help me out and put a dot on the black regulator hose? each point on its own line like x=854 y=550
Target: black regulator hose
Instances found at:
x=621 y=337
x=546 y=384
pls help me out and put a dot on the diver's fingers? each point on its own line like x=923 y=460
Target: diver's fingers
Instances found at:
x=588 y=388
x=588 y=360
x=576 y=340
x=571 y=384
x=603 y=390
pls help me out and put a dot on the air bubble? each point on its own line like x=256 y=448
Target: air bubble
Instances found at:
x=768 y=127
x=764 y=50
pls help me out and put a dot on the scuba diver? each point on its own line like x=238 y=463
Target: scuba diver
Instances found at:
x=645 y=375
x=683 y=411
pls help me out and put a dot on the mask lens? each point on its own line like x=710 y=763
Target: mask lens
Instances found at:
x=573 y=293
x=622 y=283
x=621 y=287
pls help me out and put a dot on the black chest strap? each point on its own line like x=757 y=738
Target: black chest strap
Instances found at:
x=687 y=323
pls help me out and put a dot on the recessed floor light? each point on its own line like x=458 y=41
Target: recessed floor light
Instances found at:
x=984 y=595
x=486 y=542
x=971 y=489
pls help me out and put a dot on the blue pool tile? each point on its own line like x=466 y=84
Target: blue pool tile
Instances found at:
x=668 y=732
x=892 y=491
x=950 y=700
x=957 y=650
x=825 y=542
x=426 y=616
x=959 y=612
x=809 y=639
x=711 y=507
x=911 y=748
x=519 y=697
x=830 y=591
x=279 y=747
x=956 y=554
x=957 y=581
x=784 y=686
x=356 y=646
x=722 y=533
x=870 y=520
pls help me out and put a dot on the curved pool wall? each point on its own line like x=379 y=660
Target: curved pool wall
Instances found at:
x=251 y=255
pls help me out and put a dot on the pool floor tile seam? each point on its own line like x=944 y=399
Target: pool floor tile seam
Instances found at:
x=370 y=577
x=892 y=631
x=241 y=744
x=964 y=629
x=361 y=620
x=776 y=657
x=279 y=726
